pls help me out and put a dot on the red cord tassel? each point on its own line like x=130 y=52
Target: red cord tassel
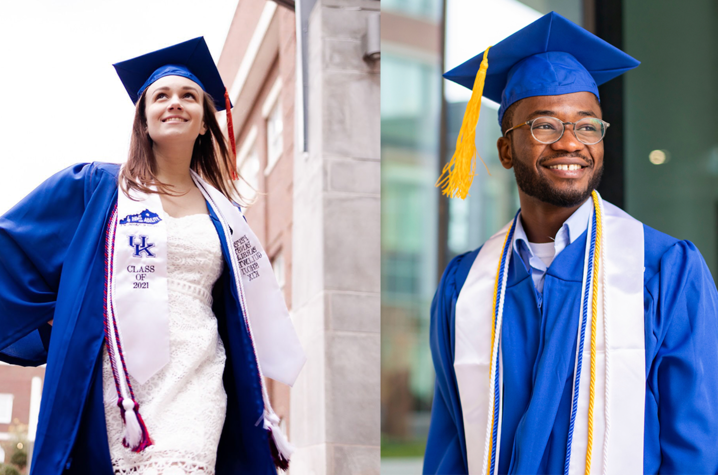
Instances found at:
x=277 y=457
x=146 y=441
x=136 y=436
x=230 y=132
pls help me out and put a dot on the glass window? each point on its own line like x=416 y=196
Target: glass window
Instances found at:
x=424 y=9
x=278 y=268
x=410 y=105
x=275 y=127
x=6 y=408
x=35 y=398
x=249 y=173
x=410 y=84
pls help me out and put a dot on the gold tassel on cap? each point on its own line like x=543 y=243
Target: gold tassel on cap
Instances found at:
x=457 y=175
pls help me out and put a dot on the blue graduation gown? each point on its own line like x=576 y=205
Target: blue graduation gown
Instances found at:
x=52 y=267
x=539 y=350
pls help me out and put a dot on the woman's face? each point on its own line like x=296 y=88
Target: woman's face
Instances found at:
x=174 y=110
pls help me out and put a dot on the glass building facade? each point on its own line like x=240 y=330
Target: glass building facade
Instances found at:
x=410 y=146
x=670 y=106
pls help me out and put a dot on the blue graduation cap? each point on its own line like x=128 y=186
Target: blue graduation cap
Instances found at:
x=190 y=59
x=549 y=57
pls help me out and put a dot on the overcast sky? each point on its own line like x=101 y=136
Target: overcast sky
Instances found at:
x=473 y=25
x=62 y=101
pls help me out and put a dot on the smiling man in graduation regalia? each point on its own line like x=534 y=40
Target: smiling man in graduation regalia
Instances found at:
x=576 y=339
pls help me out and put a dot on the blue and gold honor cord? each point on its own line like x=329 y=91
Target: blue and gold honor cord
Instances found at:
x=590 y=289
x=498 y=304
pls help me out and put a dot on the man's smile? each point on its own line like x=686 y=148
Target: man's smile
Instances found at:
x=573 y=166
x=566 y=167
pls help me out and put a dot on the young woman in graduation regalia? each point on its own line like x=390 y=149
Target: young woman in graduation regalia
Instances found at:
x=148 y=296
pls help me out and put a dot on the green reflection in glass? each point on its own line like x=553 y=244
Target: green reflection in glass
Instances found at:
x=410 y=141
x=426 y=9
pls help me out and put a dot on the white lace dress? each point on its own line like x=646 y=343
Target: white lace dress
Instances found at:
x=184 y=404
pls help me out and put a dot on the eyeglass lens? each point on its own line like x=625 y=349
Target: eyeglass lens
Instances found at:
x=549 y=129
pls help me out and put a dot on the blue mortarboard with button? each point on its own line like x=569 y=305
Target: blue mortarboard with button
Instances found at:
x=549 y=57
x=190 y=59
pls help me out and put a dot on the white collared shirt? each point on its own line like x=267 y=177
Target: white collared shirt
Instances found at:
x=535 y=256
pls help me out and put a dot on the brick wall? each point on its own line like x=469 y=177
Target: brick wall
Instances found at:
x=17 y=381
x=270 y=216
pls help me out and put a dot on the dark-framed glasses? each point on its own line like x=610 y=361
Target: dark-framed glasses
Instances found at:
x=548 y=130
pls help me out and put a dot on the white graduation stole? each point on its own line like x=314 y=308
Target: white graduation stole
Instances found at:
x=140 y=287
x=140 y=284
x=279 y=352
x=619 y=403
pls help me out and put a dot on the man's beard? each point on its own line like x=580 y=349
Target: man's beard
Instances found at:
x=537 y=185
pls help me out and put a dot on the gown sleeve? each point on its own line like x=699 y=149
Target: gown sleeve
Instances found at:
x=683 y=375
x=446 y=447
x=35 y=238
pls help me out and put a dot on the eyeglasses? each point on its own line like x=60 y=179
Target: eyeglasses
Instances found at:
x=588 y=131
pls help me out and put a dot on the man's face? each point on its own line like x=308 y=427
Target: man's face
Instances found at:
x=565 y=172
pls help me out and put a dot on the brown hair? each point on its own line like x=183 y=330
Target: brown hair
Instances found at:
x=211 y=158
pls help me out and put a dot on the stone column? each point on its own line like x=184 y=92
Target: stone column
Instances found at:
x=336 y=260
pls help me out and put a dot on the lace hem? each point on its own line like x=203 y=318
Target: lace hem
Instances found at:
x=164 y=463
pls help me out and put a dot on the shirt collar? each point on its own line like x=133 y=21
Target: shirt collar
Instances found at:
x=570 y=230
x=577 y=223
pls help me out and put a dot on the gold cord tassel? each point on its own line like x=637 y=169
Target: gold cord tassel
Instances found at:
x=457 y=175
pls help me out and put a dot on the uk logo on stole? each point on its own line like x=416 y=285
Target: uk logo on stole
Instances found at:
x=141 y=245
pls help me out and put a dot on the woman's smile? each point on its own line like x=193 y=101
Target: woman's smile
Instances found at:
x=174 y=119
